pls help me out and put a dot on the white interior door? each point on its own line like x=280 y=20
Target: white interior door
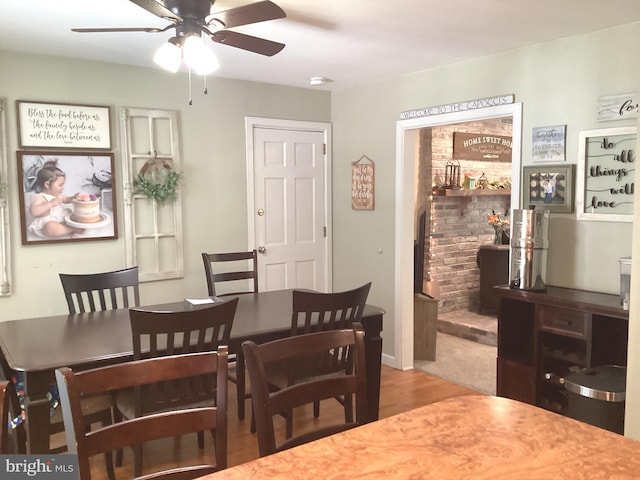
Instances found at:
x=289 y=212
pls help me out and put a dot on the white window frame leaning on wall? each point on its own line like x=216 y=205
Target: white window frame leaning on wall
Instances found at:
x=5 y=259
x=153 y=243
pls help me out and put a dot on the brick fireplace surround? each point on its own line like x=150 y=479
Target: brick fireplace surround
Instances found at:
x=457 y=226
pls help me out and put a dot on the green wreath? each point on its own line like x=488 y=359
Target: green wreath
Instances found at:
x=157 y=180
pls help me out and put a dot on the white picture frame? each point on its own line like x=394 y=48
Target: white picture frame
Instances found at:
x=64 y=126
x=606 y=174
x=548 y=143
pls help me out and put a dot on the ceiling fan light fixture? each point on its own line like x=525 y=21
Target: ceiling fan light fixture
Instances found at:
x=169 y=56
x=198 y=57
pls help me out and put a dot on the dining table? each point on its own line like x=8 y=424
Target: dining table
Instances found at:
x=470 y=437
x=36 y=347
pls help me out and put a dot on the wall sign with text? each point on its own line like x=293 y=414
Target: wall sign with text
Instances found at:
x=478 y=146
x=618 y=107
x=56 y=125
x=458 y=107
x=606 y=174
x=362 y=184
x=549 y=143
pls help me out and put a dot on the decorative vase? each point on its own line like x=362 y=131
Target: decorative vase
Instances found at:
x=497 y=237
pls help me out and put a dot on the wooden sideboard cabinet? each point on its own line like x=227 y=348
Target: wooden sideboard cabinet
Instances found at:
x=544 y=336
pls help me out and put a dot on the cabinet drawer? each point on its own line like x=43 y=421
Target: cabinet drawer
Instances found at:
x=562 y=321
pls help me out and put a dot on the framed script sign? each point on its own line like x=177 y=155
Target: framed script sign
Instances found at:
x=57 y=125
x=606 y=174
x=549 y=143
x=362 y=184
x=618 y=107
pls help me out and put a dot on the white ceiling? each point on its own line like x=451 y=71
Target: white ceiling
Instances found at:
x=350 y=42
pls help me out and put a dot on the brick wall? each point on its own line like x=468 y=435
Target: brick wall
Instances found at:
x=457 y=226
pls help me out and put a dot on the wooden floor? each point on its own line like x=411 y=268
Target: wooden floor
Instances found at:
x=400 y=391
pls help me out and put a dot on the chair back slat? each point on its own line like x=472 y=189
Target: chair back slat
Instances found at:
x=74 y=385
x=101 y=291
x=314 y=311
x=244 y=265
x=289 y=352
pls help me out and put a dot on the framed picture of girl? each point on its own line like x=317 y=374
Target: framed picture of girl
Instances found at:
x=66 y=197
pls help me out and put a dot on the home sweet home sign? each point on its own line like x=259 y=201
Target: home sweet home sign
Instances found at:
x=478 y=146
x=363 y=184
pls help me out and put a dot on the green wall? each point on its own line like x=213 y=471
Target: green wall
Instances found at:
x=213 y=159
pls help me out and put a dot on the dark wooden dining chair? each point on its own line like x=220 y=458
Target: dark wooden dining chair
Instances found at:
x=160 y=333
x=12 y=440
x=93 y=292
x=315 y=311
x=205 y=371
x=236 y=267
x=101 y=291
x=290 y=353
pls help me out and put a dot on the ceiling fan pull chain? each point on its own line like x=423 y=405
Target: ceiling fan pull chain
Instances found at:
x=205 y=84
x=190 y=96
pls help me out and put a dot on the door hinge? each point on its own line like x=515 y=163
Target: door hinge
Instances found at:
x=324 y=148
x=324 y=229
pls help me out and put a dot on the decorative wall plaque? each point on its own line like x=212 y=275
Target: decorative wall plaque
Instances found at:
x=56 y=125
x=618 y=107
x=458 y=107
x=549 y=143
x=606 y=174
x=478 y=146
x=363 y=184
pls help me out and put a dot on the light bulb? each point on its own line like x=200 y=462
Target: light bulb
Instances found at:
x=197 y=56
x=168 y=56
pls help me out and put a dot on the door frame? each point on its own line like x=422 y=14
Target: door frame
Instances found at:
x=407 y=146
x=252 y=123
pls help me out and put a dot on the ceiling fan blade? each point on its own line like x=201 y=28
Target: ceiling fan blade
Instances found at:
x=247 y=42
x=158 y=9
x=124 y=29
x=246 y=14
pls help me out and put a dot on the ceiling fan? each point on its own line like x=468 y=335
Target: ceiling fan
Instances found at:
x=191 y=18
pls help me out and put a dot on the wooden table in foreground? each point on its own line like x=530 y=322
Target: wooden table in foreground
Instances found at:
x=469 y=437
x=37 y=346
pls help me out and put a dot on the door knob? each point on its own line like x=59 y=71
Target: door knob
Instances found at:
x=260 y=212
x=262 y=250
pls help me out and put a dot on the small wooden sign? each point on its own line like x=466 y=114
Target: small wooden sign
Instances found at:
x=478 y=146
x=363 y=184
x=618 y=107
x=549 y=143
